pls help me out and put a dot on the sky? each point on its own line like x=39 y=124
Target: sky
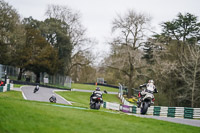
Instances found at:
x=97 y=15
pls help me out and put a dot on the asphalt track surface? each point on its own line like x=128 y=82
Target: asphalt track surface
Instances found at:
x=45 y=93
x=190 y=122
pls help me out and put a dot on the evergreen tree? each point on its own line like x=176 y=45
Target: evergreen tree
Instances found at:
x=9 y=35
x=55 y=32
x=148 y=52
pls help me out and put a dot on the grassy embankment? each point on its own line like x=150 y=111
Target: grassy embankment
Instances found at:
x=82 y=98
x=21 y=116
x=81 y=86
x=93 y=87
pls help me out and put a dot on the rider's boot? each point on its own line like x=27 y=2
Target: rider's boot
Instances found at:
x=139 y=102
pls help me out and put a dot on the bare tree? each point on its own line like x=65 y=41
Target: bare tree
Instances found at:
x=129 y=31
x=76 y=30
x=190 y=74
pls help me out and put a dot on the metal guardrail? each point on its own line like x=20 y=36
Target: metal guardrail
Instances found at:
x=176 y=112
x=6 y=87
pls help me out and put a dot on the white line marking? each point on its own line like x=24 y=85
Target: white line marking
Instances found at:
x=23 y=93
x=62 y=97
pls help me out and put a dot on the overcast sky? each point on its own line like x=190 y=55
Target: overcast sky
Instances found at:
x=97 y=15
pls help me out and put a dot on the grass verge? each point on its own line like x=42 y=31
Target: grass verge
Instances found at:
x=17 y=85
x=22 y=116
x=93 y=87
x=82 y=98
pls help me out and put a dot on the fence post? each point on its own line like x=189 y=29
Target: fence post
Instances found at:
x=120 y=89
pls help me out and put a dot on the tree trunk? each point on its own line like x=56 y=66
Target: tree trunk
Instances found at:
x=130 y=90
x=194 y=84
x=20 y=74
x=37 y=78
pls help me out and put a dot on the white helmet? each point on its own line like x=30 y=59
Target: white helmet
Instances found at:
x=151 y=81
x=98 y=89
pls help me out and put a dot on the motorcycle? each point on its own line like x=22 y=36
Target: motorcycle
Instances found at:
x=52 y=99
x=146 y=101
x=95 y=102
x=36 y=89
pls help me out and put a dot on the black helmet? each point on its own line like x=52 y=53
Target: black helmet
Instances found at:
x=98 y=89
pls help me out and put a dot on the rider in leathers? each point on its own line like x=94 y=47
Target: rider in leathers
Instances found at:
x=97 y=92
x=150 y=88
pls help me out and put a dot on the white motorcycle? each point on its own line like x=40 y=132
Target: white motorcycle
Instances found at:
x=146 y=102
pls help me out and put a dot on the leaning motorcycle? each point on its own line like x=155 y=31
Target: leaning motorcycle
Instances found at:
x=95 y=102
x=146 y=101
x=35 y=90
x=52 y=99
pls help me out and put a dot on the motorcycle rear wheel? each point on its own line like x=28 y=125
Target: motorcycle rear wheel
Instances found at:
x=97 y=106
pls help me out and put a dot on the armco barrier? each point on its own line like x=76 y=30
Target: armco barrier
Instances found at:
x=112 y=106
x=180 y=112
x=124 y=102
x=196 y=114
x=126 y=108
x=188 y=113
x=1 y=88
x=163 y=111
x=156 y=111
x=134 y=109
x=150 y=110
x=7 y=87
x=171 y=112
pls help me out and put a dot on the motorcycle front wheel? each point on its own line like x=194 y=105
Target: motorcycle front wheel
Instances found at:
x=144 y=108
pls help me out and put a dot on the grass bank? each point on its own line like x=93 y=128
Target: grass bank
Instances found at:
x=79 y=86
x=22 y=116
x=82 y=98
x=93 y=87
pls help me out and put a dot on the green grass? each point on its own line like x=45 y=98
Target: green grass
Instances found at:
x=23 y=116
x=82 y=98
x=57 y=86
x=79 y=86
x=17 y=85
x=93 y=87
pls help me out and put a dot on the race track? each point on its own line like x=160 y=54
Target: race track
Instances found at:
x=42 y=95
x=191 y=122
x=45 y=93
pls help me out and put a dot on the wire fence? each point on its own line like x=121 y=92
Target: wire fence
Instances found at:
x=13 y=72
